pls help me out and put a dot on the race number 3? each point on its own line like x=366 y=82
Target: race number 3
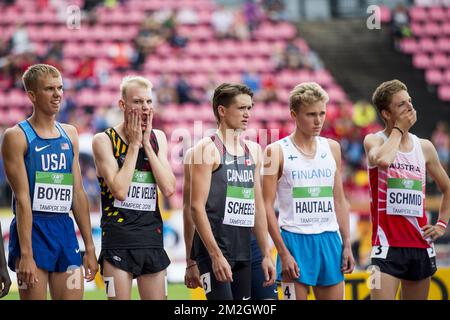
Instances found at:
x=379 y=252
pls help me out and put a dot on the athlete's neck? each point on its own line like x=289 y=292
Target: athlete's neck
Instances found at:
x=230 y=138
x=306 y=143
x=44 y=125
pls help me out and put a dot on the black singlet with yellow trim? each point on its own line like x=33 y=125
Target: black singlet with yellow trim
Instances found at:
x=135 y=222
x=230 y=205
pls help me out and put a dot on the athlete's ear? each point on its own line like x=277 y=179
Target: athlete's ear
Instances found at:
x=385 y=114
x=293 y=115
x=122 y=104
x=32 y=96
x=221 y=110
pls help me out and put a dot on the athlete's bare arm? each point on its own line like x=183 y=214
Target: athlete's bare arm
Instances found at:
x=118 y=181
x=164 y=177
x=14 y=148
x=201 y=173
x=5 y=281
x=341 y=208
x=260 y=228
x=442 y=180
x=80 y=208
x=273 y=164
x=192 y=275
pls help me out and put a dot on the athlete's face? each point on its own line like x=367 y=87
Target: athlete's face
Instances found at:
x=310 y=118
x=400 y=101
x=48 y=94
x=237 y=115
x=138 y=97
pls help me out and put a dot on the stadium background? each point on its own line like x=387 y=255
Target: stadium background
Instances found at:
x=188 y=47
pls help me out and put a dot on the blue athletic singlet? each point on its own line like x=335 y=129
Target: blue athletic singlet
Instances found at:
x=49 y=169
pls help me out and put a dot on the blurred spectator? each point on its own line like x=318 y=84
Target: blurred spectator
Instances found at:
x=252 y=80
x=240 y=27
x=92 y=188
x=312 y=61
x=54 y=52
x=364 y=114
x=253 y=14
x=275 y=9
x=184 y=91
x=165 y=91
x=441 y=140
x=85 y=73
x=20 y=41
x=90 y=4
x=149 y=36
x=187 y=16
x=277 y=57
x=400 y=25
x=353 y=149
x=121 y=54
x=269 y=89
x=222 y=21
x=293 y=56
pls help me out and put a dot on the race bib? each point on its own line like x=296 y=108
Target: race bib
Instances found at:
x=312 y=205
x=141 y=194
x=379 y=252
x=239 y=207
x=53 y=192
x=404 y=197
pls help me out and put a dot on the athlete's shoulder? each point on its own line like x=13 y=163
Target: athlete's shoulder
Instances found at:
x=100 y=139
x=333 y=143
x=14 y=140
x=372 y=139
x=427 y=145
x=252 y=145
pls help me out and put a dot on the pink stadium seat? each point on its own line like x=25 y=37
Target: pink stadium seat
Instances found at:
x=444 y=92
x=418 y=13
x=385 y=14
x=421 y=60
x=418 y=29
x=439 y=60
x=443 y=44
x=432 y=29
x=437 y=14
x=446 y=77
x=427 y=45
x=433 y=76
x=409 y=45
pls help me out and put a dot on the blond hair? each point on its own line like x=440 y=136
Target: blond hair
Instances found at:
x=306 y=93
x=33 y=72
x=129 y=80
x=382 y=95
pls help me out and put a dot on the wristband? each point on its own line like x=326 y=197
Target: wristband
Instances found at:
x=401 y=131
x=442 y=224
x=188 y=267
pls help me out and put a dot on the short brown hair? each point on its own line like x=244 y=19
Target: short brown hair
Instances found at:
x=382 y=95
x=305 y=94
x=33 y=72
x=225 y=93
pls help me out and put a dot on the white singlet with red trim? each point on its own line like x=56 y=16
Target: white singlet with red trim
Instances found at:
x=398 y=199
